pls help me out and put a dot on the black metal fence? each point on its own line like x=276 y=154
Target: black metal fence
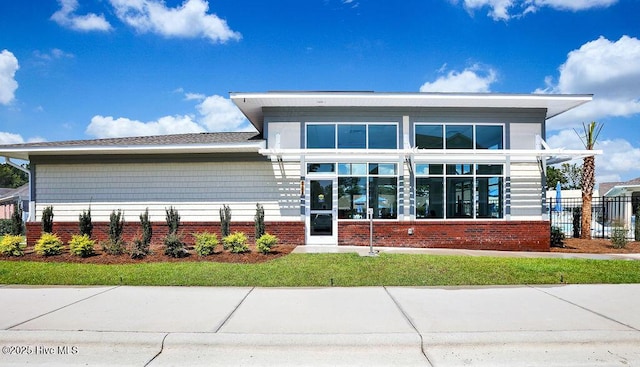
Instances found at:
x=606 y=214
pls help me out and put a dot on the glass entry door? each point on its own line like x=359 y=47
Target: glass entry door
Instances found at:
x=321 y=218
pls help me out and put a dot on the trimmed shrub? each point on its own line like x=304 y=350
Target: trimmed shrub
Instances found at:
x=577 y=222
x=17 y=226
x=258 y=220
x=86 y=226
x=173 y=220
x=48 y=244
x=116 y=226
x=619 y=234
x=173 y=246
x=139 y=248
x=637 y=222
x=5 y=226
x=225 y=220
x=266 y=242
x=236 y=243
x=557 y=237
x=81 y=245
x=113 y=248
x=47 y=219
x=147 y=231
x=206 y=243
x=11 y=245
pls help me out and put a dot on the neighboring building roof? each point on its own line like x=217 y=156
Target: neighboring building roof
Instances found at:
x=12 y=194
x=193 y=143
x=252 y=104
x=612 y=189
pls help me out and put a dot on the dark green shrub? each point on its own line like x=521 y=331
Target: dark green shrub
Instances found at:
x=206 y=243
x=85 y=223
x=173 y=246
x=577 y=223
x=258 y=220
x=225 y=220
x=147 y=231
x=12 y=245
x=557 y=237
x=48 y=244
x=173 y=220
x=619 y=234
x=17 y=226
x=139 y=248
x=266 y=242
x=236 y=243
x=81 y=245
x=116 y=226
x=47 y=219
x=113 y=248
x=5 y=226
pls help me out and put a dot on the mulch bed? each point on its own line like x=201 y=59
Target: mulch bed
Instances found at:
x=595 y=246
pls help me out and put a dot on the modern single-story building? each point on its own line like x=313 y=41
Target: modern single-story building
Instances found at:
x=432 y=169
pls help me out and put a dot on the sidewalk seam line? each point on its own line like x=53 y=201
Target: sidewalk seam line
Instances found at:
x=586 y=309
x=406 y=316
x=62 y=307
x=233 y=311
x=160 y=352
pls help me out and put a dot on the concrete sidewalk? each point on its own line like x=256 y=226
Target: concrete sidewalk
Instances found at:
x=578 y=325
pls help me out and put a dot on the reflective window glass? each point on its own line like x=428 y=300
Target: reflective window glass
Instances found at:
x=489 y=169
x=383 y=197
x=352 y=197
x=429 y=198
x=488 y=137
x=459 y=136
x=352 y=136
x=382 y=168
x=460 y=197
x=321 y=136
x=429 y=136
x=321 y=167
x=459 y=169
x=383 y=137
x=489 y=194
x=429 y=169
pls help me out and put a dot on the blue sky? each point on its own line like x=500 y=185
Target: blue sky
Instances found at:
x=81 y=69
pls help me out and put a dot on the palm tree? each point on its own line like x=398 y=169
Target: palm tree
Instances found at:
x=591 y=133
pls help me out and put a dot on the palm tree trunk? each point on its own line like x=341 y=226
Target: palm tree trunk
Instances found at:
x=588 y=182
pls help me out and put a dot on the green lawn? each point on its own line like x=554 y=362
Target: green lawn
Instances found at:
x=297 y=270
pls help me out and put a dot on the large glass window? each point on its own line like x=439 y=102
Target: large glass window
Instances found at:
x=352 y=197
x=383 y=136
x=488 y=137
x=383 y=196
x=459 y=136
x=352 y=136
x=459 y=190
x=362 y=186
x=429 y=136
x=456 y=136
x=321 y=136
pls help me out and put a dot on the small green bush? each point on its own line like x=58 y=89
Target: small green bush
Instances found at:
x=48 y=244
x=81 y=245
x=557 y=237
x=225 y=220
x=266 y=242
x=636 y=234
x=113 y=248
x=173 y=246
x=206 y=243
x=139 y=248
x=236 y=243
x=116 y=226
x=619 y=234
x=12 y=245
x=47 y=219
x=147 y=231
x=85 y=223
x=258 y=221
x=5 y=226
x=17 y=225
x=173 y=220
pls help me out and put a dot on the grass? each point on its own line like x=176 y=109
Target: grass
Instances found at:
x=301 y=270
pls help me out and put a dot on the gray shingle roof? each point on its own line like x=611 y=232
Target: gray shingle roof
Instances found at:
x=176 y=139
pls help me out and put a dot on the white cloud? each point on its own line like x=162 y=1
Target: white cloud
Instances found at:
x=619 y=159
x=507 y=9
x=10 y=138
x=474 y=79
x=610 y=71
x=8 y=84
x=215 y=114
x=88 y=22
x=189 y=20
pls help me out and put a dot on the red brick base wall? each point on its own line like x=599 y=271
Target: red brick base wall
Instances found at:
x=289 y=233
x=476 y=235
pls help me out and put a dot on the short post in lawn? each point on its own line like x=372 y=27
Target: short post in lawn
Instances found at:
x=370 y=214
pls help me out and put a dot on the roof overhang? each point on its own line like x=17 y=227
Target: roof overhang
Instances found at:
x=252 y=104
x=620 y=190
x=24 y=153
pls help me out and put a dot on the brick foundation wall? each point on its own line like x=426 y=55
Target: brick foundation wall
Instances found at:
x=289 y=233
x=475 y=235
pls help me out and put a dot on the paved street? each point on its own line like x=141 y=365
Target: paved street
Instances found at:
x=577 y=325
